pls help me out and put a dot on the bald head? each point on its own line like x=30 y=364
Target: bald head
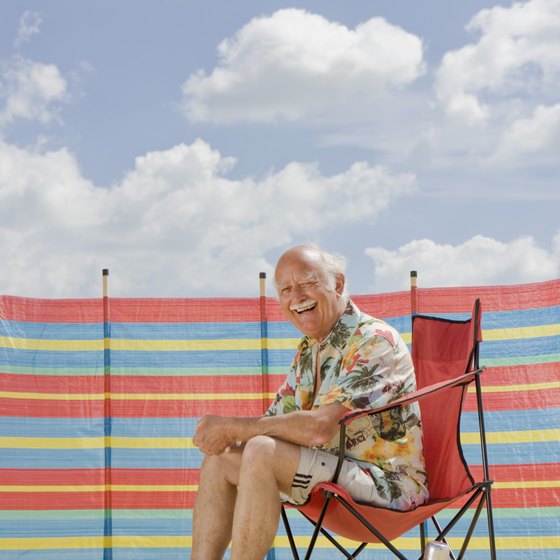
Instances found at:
x=330 y=264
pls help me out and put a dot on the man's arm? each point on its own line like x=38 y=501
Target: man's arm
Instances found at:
x=309 y=428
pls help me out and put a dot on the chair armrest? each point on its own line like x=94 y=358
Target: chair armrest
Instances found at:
x=463 y=379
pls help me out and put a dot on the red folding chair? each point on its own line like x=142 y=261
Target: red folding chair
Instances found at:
x=445 y=355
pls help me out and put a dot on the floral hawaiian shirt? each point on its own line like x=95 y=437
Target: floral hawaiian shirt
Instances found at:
x=364 y=363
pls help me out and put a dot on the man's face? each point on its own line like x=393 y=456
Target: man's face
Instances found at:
x=308 y=298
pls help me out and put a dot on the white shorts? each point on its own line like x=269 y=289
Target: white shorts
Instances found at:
x=317 y=466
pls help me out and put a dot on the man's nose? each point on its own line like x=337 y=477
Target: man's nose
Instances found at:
x=299 y=293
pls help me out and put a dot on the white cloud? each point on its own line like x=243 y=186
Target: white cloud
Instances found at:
x=29 y=25
x=30 y=90
x=478 y=261
x=175 y=225
x=517 y=55
x=294 y=64
x=538 y=134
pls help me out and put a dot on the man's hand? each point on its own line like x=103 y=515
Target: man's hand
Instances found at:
x=212 y=435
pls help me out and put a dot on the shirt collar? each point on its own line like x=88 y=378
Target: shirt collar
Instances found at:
x=343 y=328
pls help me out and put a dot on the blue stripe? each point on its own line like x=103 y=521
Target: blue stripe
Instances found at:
x=131 y=358
x=542 y=526
x=194 y=358
x=32 y=528
x=52 y=458
x=519 y=347
x=513 y=420
x=177 y=458
x=227 y=330
x=156 y=458
x=61 y=554
x=138 y=331
x=496 y=421
x=52 y=330
x=285 y=329
x=52 y=358
x=515 y=453
x=186 y=331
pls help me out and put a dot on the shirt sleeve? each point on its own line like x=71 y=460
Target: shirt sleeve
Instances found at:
x=285 y=399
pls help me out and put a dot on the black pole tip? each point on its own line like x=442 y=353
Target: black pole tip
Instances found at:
x=262 y=274
x=105 y=272
x=413 y=274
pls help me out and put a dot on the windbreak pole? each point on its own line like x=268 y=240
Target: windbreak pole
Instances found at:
x=264 y=340
x=108 y=506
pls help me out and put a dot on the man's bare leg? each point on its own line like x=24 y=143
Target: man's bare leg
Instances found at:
x=267 y=468
x=215 y=504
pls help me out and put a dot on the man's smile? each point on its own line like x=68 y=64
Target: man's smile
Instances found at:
x=303 y=307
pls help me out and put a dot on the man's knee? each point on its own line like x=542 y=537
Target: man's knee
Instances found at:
x=258 y=450
x=225 y=466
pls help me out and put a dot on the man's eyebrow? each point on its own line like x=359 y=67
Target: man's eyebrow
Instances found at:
x=311 y=277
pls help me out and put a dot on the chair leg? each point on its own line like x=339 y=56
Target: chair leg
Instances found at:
x=289 y=533
x=423 y=535
x=490 y=519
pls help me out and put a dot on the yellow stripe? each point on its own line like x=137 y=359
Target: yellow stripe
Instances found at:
x=527 y=484
x=183 y=542
x=193 y=487
x=136 y=396
x=523 y=436
x=516 y=333
x=411 y=543
x=145 y=345
x=517 y=388
x=102 y=488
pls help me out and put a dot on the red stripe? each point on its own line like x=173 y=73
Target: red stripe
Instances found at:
x=501 y=498
x=51 y=500
x=431 y=300
x=86 y=477
x=510 y=473
x=523 y=497
x=514 y=400
x=33 y=408
x=168 y=310
x=95 y=500
x=69 y=384
x=39 y=408
x=172 y=310
x=83 y=477
x=521 y=374
x=51 y=310
x=493 y=298
x=231 y=384
x=62 y=384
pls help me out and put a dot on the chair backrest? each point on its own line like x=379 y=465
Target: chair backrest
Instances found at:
x=443 y=349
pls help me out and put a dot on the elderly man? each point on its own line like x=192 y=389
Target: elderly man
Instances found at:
x=345 y=360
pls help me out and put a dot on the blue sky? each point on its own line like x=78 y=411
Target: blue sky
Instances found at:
x=184 y=145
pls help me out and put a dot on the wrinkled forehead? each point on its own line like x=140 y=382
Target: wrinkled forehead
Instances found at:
x=297 y=271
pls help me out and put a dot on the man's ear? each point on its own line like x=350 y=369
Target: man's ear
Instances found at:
x=340 y=283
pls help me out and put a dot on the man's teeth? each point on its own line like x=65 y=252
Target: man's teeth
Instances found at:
x=307 y=306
